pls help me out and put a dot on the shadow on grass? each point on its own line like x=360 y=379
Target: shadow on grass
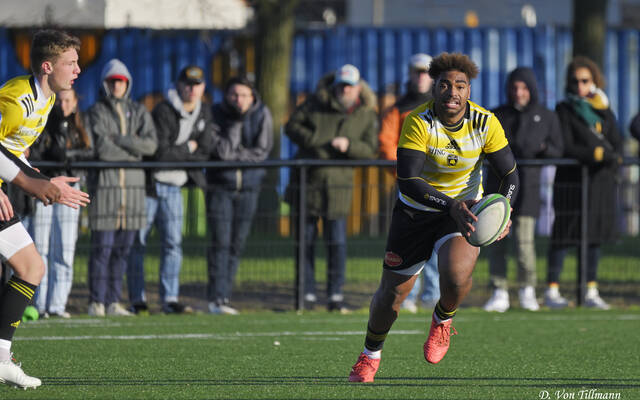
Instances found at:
x=515 y=382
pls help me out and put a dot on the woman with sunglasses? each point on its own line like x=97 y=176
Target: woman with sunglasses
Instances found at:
x=591 y=136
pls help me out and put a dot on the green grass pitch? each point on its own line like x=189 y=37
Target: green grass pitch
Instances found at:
x=269 y=355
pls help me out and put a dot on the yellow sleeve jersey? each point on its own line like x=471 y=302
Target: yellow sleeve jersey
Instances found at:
x=23 y=113
x=453 y=155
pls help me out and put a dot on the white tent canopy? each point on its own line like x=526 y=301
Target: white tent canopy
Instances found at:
x=156 y=14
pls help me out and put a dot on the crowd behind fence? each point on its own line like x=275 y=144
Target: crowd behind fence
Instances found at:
x=267 y=276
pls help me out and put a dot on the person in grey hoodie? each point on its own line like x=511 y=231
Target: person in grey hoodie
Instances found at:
x=184 y=131
x=243 y=131
x=123 y=131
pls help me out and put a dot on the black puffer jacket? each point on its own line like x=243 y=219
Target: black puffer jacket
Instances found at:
x=532 y=132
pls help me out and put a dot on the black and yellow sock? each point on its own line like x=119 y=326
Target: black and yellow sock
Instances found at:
x=374 y=340
x=16 y=296
x=443 y=314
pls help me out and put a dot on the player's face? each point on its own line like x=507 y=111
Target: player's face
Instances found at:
x=519 y=93
x=582 y=82
x=420 y=80
x=64 y=71
x=68 y=101
x=191 y=92
x=240 y=97
x=450 y=95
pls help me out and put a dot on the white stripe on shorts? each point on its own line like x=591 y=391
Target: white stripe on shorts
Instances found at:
x=12 y=239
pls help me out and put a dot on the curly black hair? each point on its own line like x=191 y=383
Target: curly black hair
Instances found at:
x=453 y=62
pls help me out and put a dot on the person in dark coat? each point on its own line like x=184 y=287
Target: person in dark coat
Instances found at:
x=533 y=131
x=242 y=131
x=591 y=136
x=337 y=122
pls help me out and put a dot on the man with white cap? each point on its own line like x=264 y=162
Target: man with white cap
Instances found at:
x=418 y=92
x=337 y=122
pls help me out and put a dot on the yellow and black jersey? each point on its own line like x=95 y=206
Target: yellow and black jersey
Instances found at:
x=23 y=113
x=453 y=155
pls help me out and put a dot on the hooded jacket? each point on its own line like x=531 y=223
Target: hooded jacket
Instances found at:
x=312 y=126
x=240 y=137
x=532 y=132
x=118 y=194
x=167 y=116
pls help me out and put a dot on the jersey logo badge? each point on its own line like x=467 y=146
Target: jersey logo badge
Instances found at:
x=453 y=145
x=452 y=160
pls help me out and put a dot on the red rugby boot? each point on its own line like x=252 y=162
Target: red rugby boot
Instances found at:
x=364 y=370
x=437 y=343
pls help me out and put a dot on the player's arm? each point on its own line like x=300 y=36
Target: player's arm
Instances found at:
x=504 y=166
x=411 y=184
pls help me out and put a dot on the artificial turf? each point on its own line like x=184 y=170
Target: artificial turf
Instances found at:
x=269 y=355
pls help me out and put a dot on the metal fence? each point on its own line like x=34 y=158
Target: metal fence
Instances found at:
x=267 y=276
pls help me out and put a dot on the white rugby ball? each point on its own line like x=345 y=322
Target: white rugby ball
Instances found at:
x=493 y=212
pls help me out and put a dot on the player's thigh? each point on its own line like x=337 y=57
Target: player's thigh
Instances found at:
x=18 y=250
x=457 y=259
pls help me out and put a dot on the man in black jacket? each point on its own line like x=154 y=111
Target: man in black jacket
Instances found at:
x=184 y=131
x=533 y=131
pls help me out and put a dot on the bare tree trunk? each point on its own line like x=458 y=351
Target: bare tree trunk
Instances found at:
x=273 y=41
x=589 y=29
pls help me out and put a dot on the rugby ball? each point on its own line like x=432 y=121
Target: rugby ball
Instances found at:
x=493 y=212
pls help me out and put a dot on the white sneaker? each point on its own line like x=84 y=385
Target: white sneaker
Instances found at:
x=11 y=374
x=553 y=299
x=96 y=310
x=528 y=299
x=410 y=306
x=593 y=300
x=116 y=309
x=63 y=314
x=222 y=309
x=499 y=301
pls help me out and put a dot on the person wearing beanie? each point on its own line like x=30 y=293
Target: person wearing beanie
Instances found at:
x=533 y=131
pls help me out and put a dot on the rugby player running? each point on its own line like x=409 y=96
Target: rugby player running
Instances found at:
x=440 y=154
x=25 y=103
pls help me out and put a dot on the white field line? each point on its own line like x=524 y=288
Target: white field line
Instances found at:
x=214 y=336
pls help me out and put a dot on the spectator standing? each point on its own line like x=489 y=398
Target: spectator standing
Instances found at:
x=123 y=131
x=243 y=131
x=183 y=127
x=418 y=92
x=55 y=228
x=533 y=131
x=338 y=122
x=591 y=136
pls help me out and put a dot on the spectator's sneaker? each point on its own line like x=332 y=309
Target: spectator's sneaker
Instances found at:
x=410 y=306
x=437 y=343
x=364 y=370
x=116 y=309
x=141 y=309
x=96 y=310
x=215 y=308
x=593 y=300
x=553 y=299
x=338 y=306
x=528 y=299
x=176 y=308
x=64 y=315
x=499 y=301
x=11 y=374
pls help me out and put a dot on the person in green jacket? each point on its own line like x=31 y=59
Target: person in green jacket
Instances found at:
x=337 y=122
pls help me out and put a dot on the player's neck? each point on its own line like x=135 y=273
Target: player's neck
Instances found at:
x=44 y=85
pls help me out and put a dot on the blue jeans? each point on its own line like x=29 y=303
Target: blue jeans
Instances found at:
x=107 y=263
x=230 y=214
x=428 y=290
x=335 y=238
x=166 y=213
x=55 y=230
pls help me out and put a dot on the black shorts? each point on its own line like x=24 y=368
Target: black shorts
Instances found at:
x=5 y=224
x=413 y=235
